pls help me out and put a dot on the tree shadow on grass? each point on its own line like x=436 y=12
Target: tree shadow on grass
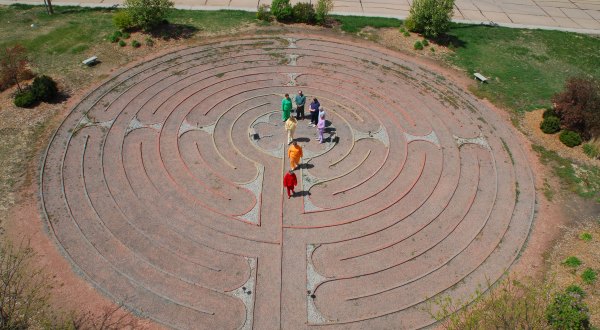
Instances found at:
x=172 y=31
x=450 y=41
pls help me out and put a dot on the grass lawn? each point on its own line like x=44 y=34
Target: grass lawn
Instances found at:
x=353 y=24
x=526 y=67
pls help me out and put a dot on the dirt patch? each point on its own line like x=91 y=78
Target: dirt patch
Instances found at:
x=531 y=126
x=394 y=39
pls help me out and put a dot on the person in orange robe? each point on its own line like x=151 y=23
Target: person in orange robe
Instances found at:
x=294 y=153
x=289 y=182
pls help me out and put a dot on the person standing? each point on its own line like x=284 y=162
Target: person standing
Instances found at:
x=300 y=100
x=286 y=107
x=314 y=112
x=294 y=153
x=321 y=125
x=289 y=182
x=290 y=127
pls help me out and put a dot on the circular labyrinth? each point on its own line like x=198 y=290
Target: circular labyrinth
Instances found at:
x=163 y=187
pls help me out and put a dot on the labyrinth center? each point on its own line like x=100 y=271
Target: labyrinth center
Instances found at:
x=163 y=188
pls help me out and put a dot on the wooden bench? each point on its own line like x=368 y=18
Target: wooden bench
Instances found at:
x=480 y=77
x=90 y=61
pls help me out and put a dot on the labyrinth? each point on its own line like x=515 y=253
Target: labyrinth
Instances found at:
x=163 y=188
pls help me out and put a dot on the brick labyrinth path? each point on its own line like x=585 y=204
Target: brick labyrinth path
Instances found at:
x=159 y=196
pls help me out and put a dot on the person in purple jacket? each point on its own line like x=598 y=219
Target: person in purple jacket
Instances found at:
x=321 y=125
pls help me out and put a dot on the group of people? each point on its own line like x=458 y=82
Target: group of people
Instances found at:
x=317 y=119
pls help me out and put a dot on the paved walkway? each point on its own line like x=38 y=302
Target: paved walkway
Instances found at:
x=160 y=194
x=568 y=15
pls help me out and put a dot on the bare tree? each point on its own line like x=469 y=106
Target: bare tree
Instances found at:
x=13 y=64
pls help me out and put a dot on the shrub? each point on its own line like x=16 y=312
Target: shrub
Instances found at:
x=430 y=17
x=550 y=125
x=25 y=99
x=589 y=276
x=568 y=311
x=418 y=45
x=322 y=11
x=122 y=20
x=149 y=42
x=282 y=10
x=263 y=13
x=126 y=35
x=147 y=14
x=578 y=106
x=572 y=262
x=407 y=34
x=425 y=42
x=135 y=44
x=432 y=49
x=585 y=236
x=591 y=150
x=549 y=113
x=575 y=289
x=304 y=12
x=44 y=88
x=122 y=43
x=570 y=138
x=113 y=38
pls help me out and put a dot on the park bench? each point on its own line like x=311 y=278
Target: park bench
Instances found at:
x=90 y=61
x=480 y=77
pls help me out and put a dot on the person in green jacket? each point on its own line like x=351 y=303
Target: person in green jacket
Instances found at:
x=286 y=107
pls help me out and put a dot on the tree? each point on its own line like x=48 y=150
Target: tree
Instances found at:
x=324 y=7
x=430 y=17
x=578 y=106
x=282 y=10
x=13 y=65
x=147 y=14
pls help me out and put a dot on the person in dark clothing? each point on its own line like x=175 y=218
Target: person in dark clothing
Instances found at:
x=300 y=100
x=314 y=112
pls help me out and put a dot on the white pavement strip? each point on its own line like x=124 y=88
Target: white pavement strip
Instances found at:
x=246 y=294
x=380 y=135
x=256 y=187
x=480 y=140
x=431 y=138
x=313 y=279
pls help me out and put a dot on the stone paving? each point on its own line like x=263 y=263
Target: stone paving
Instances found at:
x=568 y=15
x=158 y=192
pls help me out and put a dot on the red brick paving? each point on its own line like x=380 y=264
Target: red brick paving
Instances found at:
x=157 y=193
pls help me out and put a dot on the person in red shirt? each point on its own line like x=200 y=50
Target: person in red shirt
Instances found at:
x=289 y=182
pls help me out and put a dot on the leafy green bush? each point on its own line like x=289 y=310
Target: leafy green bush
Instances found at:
x=568 y=311
x=572 y=261
x=135 y=44
x=406 y=34
x=425 y=42
x=25 y=99
x=125 y=35
x=550 y=125
x=585 y=236
x=147 y=14
x=113 y=38
x=549 y=113
x=432 y=49
x=122 y=20
x=322 y=11
x=149 y=42
x=304 y=12
x=282 y=10
x=44 y=88
x=591 y=150
x=263 y=13
x=122 y=43
x=570 y=138
x=589 y=276
x=575 y=289
x=418 y=45
x=430 y=17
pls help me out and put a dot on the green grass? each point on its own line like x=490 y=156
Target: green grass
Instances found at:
x=585 y=237
x=589 y=276
x=526 y=67
x=581 y=179
x=212 y=21
x=572 y=261
x=353 y=24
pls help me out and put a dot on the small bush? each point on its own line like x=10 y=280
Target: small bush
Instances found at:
x=149 y=42
x=425 y=42
x=135 y=44
x=575 y=289
x=550 y=125
x=44 y=88
x=126 y=35
x=430 y=17
x=418 y=45
x=113 y=38
x=304 y=12
x=402 y=29
x=585 y=236
x=570 y=138
x=432 y=49
x=322 y=11
x=578 y=106
x=25 y=99
x=122 y=20
x=591 y=150
x=147 y=14
x=589 y=276
x=549 y=113
x=407 y=34
x=263 y=13
x=122 y=43
x=282 y=10
x=572 y=262
x=568 y=311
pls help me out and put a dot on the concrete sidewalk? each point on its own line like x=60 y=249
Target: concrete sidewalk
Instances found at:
x=567 y=15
